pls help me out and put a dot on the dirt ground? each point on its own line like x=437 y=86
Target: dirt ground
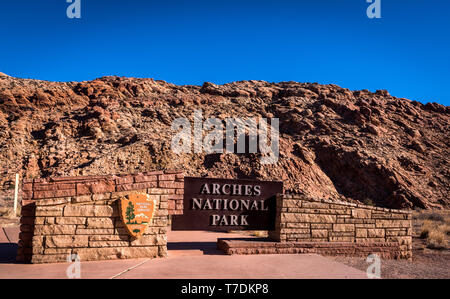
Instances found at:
x=426 y=264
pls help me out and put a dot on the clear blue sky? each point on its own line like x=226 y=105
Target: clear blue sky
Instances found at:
x=190 y=42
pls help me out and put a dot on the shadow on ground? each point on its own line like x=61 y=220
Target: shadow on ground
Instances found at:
x=208 y=248
x=8 y=253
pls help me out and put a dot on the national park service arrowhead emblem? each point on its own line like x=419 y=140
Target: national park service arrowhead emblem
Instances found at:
x=136 y=211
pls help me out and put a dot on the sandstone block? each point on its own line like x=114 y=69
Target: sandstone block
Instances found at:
x=149 y=240
x=151 y=230
x=145 y=178
x=170 y=184
x=159 y=191
x=93 y=244
x=53 y=258
x=38 y=220
x=354 y=221
x=81 y=199
x=401 y=240
x=162 y=251
x=109 y=238
x=338 y=206
x=343 y=227
x=101 y=196
x=341 y=234
x=341 y=239
x=49 y=211
x=309 y=218
x=125 y=180
x=361 y=213
x=37 y=250
x=393 y=223
x=361 y=233
x=49 y=220
x=298 y=225
x=54 y=229
x=315 y=205
x=295 y=231
x=59 y=251
x=54 y=193
x=166 y=177
x=319 y=233
x=321 y=225
x=92 y=254
x=88 y=211
x=38 y=241
x=292 y=203
x=388 y=216
x=104 y=186
x=70 y=220
x=95 y=231
x=65 y=241
x=53 y=201
x=136 y=186
x=375 y=233
x=100 y=223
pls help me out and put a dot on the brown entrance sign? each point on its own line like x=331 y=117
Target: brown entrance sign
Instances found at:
x=226 y=204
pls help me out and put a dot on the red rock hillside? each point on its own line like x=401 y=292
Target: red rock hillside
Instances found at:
x=335 y=143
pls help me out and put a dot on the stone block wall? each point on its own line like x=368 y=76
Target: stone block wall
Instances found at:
x=80 y=215
x=357 y=228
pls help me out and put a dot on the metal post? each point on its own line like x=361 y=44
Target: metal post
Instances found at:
x=16 y=193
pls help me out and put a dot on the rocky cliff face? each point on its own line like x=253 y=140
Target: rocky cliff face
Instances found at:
x=335 y=143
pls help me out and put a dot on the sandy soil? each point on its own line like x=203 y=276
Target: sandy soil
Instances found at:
x=426 y=264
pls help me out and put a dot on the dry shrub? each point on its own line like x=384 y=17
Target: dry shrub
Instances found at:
x=437 y=239
x=427 y=227
x=435 y=233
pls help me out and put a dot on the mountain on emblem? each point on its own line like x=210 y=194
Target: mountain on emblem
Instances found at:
x=136 y=212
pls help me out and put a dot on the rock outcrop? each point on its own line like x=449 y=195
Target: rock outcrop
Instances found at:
x=335 y=143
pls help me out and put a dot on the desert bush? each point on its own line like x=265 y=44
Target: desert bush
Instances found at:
x=427 y=227
x=436 y=217
x=435 y=234
x=437 y=239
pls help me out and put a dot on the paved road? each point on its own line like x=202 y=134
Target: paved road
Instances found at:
x=191 y=255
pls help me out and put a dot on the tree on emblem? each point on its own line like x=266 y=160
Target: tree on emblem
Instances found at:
x=130 y=212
